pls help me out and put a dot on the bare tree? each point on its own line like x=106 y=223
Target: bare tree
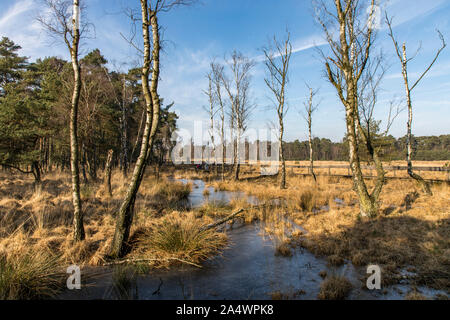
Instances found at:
x=211 y=111
x=350 y=53
x=310 y=108
x=404 y=60
x=61 y=23
x=368 y=99
x=238 y=90
x=278 y=55
x=150 y=11
x=217 y=75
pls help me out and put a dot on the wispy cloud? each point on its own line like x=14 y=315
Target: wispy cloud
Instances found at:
x=19 y=24
x=437 y=71
x=299 y=45
x=14 y=12
x=183 y=81
x=406 y=10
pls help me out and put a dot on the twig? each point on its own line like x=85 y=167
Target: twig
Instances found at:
x=158 y=291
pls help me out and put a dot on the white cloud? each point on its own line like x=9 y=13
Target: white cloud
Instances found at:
x=14 y=12
x=406 y=10
x=20 y=25
x=438 y=70
x=299 y=45
x=183 y=80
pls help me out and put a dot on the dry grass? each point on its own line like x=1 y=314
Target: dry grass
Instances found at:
x=302 y=194
x=40 y=223
x=177 y=235
x=334 y=288
x=415 y=295
x=412 y=230
x=283 y=249
x=29 y=275
x=215 y=209
x=124 y=281
x=292 y=294
x=415 y=237
x=389 y=173
x=255 y=169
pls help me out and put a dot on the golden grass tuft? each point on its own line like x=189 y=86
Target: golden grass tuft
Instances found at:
x=307 y=200
x=334 y=288
x=178 y=237
x=283 y=249
x=215 y=209
x=28 y=274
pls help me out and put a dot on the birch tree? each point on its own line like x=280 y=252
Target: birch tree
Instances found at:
x=62 y=23
x=309 y=109
x=150 y=12
x=277 y=57
x=108 y=170
x=404 y=60
x=238 y=91
x=211 y=110
x=350 y=52
x=217 y=74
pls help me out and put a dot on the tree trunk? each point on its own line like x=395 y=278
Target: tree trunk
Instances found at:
x=424 y=184
x=237 y=156
x=283 y=163
x=37 y=176
x=368 y=205
x=50 y=155
x=311 y=155
x=124 y=133
x=78 y=227
x=92 y=168
x=223 y=155
x=108 y=172
x=84 y=164
x=125 y=215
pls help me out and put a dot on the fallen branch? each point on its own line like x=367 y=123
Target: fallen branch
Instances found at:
x=14 y=167
x=222 y=221
x=232 y=216
x=119 y=262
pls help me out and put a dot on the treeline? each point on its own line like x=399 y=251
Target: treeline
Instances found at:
x=35 y=101
x=425 y=148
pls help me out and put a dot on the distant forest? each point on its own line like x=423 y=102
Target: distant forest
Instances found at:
x=425 y=148
x=35 y=101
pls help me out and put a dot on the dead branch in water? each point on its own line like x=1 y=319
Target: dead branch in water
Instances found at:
x=123 y=261
x=222 y=221
x=231 y=216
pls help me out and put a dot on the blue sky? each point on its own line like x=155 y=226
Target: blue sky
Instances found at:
x=212 y=28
